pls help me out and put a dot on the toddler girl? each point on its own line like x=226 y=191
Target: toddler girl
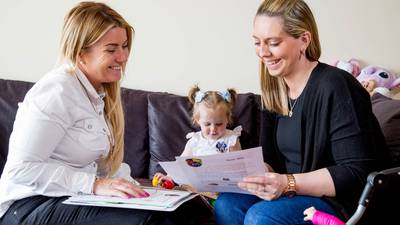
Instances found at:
x=212 y=112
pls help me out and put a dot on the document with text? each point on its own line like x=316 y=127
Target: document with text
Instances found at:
x=216 y=173
x=159 y=200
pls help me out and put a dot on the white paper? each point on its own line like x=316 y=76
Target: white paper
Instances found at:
x=217 y=173
x=179 y=175
x=159 y=199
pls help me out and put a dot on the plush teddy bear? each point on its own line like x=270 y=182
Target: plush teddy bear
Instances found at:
x=378 y=79
x=352 y=66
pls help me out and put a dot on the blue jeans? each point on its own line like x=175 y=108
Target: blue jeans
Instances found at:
x=243 y=209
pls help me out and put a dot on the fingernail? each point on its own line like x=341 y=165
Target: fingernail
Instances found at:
x=130 y=196
x=146 y=194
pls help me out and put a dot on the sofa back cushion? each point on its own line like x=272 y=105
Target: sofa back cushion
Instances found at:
x=11 y=92
x=136 y=131
x=136 y=126
x=387 y=111
x=169 y=118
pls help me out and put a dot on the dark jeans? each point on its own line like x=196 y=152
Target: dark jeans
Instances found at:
x=42 y=210
x=243 y=209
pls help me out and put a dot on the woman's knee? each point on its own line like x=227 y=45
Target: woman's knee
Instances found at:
x=260 y=214
x=228 y=201
x=224 y=202
x=230 y=208
x=279 y=211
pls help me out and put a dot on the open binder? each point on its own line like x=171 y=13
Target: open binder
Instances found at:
x=159 y=200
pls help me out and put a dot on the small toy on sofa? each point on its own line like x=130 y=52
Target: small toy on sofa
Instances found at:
x=352 y=66
x=378 y=79
x=320 y=218
x=166 y=183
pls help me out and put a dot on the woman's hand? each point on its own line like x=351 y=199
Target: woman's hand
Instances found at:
x=268 y=168
x=268 y=187
x=118 y=187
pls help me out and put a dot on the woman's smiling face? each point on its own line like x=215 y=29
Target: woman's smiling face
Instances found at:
x=104 y=61
x=277 y=49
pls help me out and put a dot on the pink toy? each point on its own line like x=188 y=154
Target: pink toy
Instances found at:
x=320 y=218
x=352 y=66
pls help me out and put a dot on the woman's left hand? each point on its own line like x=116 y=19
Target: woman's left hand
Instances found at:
x=268 y=187
x=118 y=187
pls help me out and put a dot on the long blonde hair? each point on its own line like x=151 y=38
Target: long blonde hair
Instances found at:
x=83 y=26
x=297 y=19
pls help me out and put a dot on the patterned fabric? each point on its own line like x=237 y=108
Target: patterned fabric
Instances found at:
x=203 y=146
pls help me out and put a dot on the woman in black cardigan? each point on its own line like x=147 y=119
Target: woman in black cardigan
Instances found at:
x=319 y=135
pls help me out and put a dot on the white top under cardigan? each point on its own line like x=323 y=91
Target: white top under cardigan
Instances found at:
x=58 y=134
x=201 y=146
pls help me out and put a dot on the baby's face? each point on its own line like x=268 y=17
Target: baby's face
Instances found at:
x=212 y=122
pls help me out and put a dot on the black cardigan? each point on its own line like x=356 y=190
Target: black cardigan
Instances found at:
x=339 y=132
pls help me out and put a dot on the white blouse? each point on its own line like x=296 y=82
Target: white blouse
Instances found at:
x=59 y=133
x=201 y=146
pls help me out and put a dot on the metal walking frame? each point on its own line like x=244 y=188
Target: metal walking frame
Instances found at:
x=375 y=181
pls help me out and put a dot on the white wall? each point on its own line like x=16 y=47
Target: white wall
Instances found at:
x=182 y=42
x=365 y=29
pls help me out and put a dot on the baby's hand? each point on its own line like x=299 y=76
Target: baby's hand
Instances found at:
x=309 y=213
x=321 y=218
x=157 y=179
x=160 y=179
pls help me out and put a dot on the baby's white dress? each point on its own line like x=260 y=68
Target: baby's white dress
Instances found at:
x=201 y=146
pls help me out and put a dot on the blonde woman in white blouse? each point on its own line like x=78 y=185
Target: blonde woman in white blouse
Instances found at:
x=68 y=132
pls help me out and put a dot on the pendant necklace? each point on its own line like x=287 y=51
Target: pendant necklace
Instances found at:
x=291 y=107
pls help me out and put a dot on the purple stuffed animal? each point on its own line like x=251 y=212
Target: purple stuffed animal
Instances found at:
x=381 y=78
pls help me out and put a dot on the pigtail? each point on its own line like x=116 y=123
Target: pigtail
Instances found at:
x=192 y=94
x=233 y=97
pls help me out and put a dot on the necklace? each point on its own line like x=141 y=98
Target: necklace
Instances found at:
x=291 y=107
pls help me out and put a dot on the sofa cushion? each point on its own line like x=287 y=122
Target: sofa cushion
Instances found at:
x=136 y=131
x=11 y=92
x=169 y=118
x=387 y=111
x=247 y=113
x=169 y=121
x=136 y=127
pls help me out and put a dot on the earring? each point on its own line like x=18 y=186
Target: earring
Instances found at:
x=301 y=53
